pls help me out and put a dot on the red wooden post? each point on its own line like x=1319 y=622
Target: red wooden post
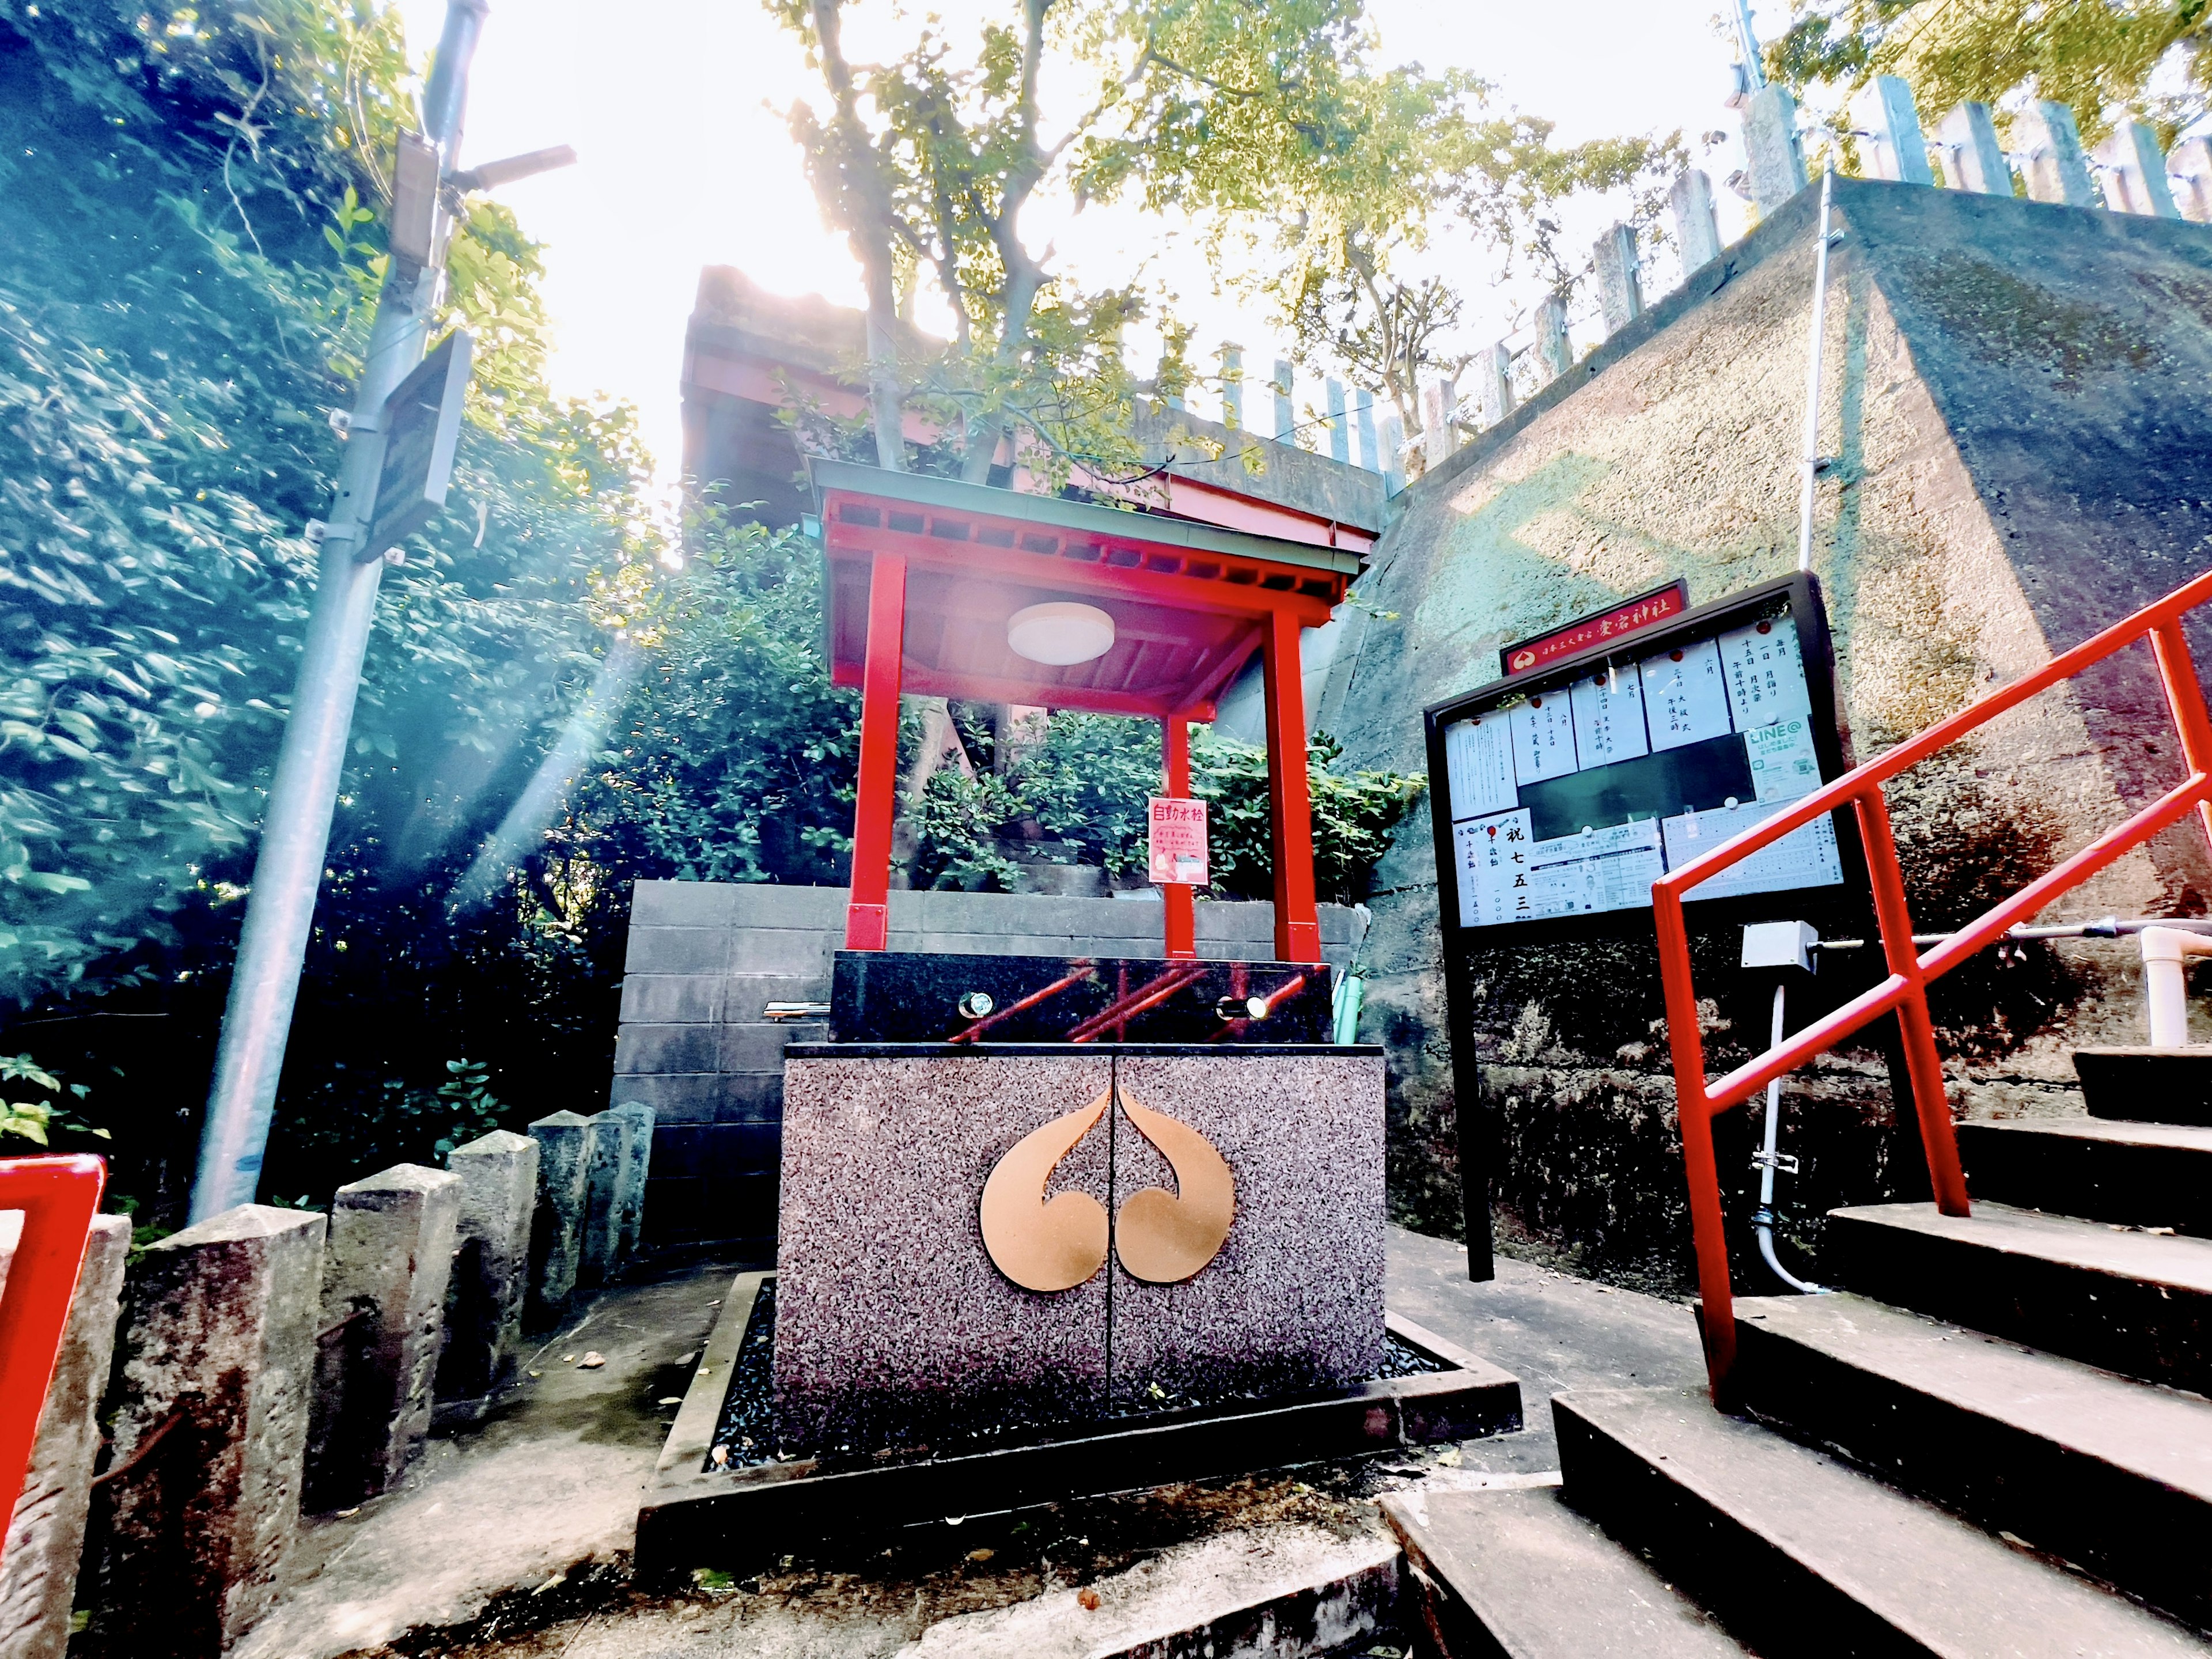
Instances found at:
x=58 y=1197
x=1176 y=896
x=868 y=916
x=1297 y=924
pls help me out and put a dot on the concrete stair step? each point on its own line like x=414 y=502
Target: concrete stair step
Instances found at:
x=2132 y=1302
x=2158 y=1085
x=1800 y=1554
x=2145 y=1175
x=2107 y=1472
x=1519 y=1575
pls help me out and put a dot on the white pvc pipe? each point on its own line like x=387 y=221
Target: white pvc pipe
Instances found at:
x=1762 y=1220
x=2166 y=983
x=1809 y=485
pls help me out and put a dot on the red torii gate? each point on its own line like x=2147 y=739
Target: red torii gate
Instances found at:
x=927 y=573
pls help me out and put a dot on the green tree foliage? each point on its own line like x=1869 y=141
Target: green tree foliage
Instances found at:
x=735 y=757
x=926 y=164
x=1087 y=784
x=187 y=262
x=2101 y=57
x=192 y=244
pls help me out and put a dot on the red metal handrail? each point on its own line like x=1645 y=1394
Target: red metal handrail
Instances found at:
x=1905 y=988
x=58 y=1197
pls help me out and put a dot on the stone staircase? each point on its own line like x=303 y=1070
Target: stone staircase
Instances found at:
x=1994 y=1441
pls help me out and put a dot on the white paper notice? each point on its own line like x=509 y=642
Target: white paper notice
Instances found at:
x=1803 y=858
x=1765 y=677
x=1607 y=869
x=1783 y=764
x=1479 y=756
x=1492 y=855
x=1684 y=699
x=1543 y=737
x=1609 y=718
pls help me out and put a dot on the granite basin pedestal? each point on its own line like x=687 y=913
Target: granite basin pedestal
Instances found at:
x=893 y=1324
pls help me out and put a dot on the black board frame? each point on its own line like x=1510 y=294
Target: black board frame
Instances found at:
x=1832 y=903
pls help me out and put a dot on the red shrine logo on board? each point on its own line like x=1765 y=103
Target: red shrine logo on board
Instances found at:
x=1629 y=616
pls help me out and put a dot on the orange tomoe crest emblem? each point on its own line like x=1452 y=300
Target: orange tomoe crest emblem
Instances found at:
x=1059 y=1243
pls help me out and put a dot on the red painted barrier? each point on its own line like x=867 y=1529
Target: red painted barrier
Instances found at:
x=1905 y=989
x=59 y=1197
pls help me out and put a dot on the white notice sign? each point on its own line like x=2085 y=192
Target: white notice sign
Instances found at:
x=1492 y=856
x=1803 y=858
x=1765 y=679
x=1783 y=764
x=1609 y=718
x=1607 y=869
x=1479 y=757
x=1543 y=737
x=1685 y=699
x=1178 y=840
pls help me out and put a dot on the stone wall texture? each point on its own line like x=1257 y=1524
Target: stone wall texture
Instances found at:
x=2016 y=401
x=706 y=958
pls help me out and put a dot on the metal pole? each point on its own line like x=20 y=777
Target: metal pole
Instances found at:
x=296 y=824
x=1748 y=42
x=1812 y=461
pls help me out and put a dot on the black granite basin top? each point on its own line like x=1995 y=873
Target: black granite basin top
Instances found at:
x=908 y=996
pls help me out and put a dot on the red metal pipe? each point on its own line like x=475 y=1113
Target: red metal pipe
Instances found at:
x=2184 y=701
x=1922 y=1063
x=1905 y=989
x=58 y=1197
x=868 y=916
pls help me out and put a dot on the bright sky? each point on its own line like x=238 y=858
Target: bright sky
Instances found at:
x=674 y=107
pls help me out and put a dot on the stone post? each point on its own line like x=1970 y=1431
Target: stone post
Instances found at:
x=1696 y=226
x=491 y=1269
x=1771 y=154
x=557 y=1229
x=1286 y=414
x=1438 y=436
x=1492 y=395
x=1232 y=385
x=1973 y=159
x=1552 y=349
x=390 y=1258
x=1394 y=454
x=1363 y=420
x=2189 y=170
x=602 y=1156
x=630 y=1175
x=1620 y=293
x=1893 y=143
x=2056 y=169
x=2137 y=171
x=46 y=1537
x=1340 y=434
x=219 y=1361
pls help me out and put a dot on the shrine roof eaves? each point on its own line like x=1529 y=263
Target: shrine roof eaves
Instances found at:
x=952 y=495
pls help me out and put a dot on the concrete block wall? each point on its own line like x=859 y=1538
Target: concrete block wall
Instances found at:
x=706 y=958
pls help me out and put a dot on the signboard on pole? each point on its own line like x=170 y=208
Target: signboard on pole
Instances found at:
x=422 y=430
x=1178 y=842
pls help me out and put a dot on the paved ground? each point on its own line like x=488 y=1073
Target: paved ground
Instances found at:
x=461 y=1562
x=548 y=1484
x=1552 y=1330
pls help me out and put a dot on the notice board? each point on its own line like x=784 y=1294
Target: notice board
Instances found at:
x=1560 y=796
